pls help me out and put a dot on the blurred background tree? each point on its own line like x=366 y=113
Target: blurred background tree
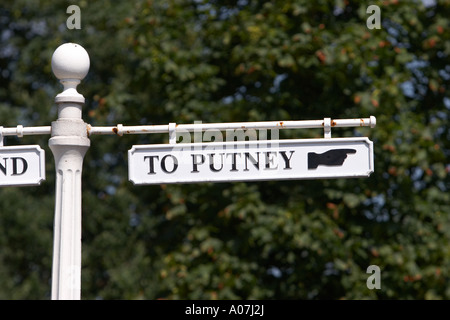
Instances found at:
x=155 y=62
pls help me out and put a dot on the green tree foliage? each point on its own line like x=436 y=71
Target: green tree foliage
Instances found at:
x=155 y=62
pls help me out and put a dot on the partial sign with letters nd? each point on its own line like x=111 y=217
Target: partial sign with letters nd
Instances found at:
x=22 y=165
x=251 y=161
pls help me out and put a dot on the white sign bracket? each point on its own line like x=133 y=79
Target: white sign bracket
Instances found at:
x=172 y=133
x=327 y=128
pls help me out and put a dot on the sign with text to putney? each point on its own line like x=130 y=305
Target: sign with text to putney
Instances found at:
x=250 y=161
x=22 y=165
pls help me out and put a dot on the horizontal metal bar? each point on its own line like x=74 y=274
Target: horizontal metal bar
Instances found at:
x=25 y=131
x=120 y=130
x=298 y=124
x=165 y=128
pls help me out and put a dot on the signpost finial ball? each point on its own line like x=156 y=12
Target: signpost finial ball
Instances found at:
x=70 y=61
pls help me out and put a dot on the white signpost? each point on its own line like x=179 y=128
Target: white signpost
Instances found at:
x=168 y=163
x=22 y=165
x=250 y=161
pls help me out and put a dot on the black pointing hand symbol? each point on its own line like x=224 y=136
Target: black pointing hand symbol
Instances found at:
x=333 y=157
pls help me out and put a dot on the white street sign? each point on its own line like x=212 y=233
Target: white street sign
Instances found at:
x=250 y=161
x=22 y=165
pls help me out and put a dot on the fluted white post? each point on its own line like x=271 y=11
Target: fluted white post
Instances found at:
x=69 y=143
